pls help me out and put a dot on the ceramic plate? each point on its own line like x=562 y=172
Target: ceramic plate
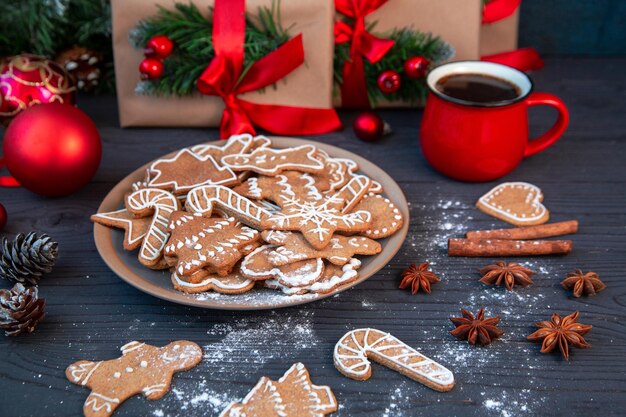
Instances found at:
x=157 y=283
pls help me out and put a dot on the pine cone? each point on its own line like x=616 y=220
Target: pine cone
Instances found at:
x=26 y=259
x=20 y=310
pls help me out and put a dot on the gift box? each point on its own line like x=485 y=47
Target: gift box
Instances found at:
x=499 y=36
x=309 y=85
x=455 y=22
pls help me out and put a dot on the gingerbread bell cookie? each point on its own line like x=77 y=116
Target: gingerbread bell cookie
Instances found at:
x=238 y=216
x=518 y=203
x=356 y=348
x=142 y=369
x=293 y=395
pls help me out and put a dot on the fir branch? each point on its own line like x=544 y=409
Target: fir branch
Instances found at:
x=191 y=33
x=408 y=43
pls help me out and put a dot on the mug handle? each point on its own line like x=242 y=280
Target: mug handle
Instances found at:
x=542 y=142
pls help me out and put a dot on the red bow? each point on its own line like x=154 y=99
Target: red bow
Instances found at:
x=499 y=9
x=363 y=44
x=524 y=59
x=223 y=77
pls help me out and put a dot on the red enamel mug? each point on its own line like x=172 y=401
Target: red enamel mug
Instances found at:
x=473 y=141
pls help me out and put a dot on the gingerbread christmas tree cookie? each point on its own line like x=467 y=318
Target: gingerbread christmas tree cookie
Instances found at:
x=293 y=395
x=142 y=369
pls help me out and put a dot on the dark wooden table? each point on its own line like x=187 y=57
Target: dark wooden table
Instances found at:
x=91 y=312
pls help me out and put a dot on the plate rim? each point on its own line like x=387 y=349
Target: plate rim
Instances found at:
x=103 y=237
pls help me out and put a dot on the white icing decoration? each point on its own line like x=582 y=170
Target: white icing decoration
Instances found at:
x=349 y=272
x=417 y=366
x=130 y=346
x=211 y=280
x=85 y=369
x=93 y=401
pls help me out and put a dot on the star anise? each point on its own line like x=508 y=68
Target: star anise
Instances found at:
x=477 y=329
x=583 y=284
x=510 y=275
x=561 y=332
x=418 y=277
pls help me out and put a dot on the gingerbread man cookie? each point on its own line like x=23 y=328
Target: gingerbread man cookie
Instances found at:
x=293 y=395
x=518 y=203
x=268 y=161
x=294 y=247
x=356 y=348
x=142 y=369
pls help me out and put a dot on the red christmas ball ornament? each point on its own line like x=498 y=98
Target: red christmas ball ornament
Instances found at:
x=3 y=217
x=159 y=46
x=389 y=81
x=151 y=68
x=369 y=127
x=416 y=67
x=26 y=80
x=52 y=149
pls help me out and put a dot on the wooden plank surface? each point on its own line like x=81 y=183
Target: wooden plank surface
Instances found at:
x=91 y=312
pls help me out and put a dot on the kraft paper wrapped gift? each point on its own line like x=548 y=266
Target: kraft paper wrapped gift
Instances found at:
x=457 y=22
x=309 y=85
x=499 y=36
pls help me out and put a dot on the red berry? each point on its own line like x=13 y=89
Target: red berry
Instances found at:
x=159 y=46
x=416 y=67
x=389 y=81
x=151 y=68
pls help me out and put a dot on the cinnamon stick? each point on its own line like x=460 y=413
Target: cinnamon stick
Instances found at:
x=528 y=232
x=503 y=247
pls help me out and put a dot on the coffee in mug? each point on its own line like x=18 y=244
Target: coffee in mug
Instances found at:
x=477 y=88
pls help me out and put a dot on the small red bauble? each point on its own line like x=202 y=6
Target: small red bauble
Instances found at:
x=368 y=126
x=159 y=46
x=26 y=80
x=52 y=149
x=389 y=81
x=3 y=217
x=416 y=67
x=151 y=68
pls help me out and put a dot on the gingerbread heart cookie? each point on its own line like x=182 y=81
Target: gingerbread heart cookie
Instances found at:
x=142 y=369
x=518 y=203
x=257 y=266
x=293 y=395
x=268 y=161
x=294 y=247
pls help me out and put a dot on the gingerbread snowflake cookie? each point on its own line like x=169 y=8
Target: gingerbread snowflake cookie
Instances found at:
x=142 y=369
x=293 y=395
x=518 y=203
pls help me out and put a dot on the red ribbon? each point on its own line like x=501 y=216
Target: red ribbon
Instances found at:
x=523 y=59
x=499 y=9
x=7 y=180
x=224 y=77
x=362 y=44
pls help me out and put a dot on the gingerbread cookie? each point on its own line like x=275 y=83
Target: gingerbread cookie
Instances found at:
x=294 y=247
x=386 y=218
x=518 y=203
x=356 y=348
x=142 y=369
x=236 y=144
x=135 y=229
x=281 y=188
x=187 y=170
x=203 y=199
x=160 y=205
x=333 y=277
x=268 y=161
x=197 y=242
x=257 y=266
x=318 y=221
x=293 y=395
x=232 y=283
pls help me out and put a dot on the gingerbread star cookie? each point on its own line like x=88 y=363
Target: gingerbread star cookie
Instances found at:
x=293 y=395
x=268 y=161
x=197 y=242
x=318 y=221
x=294 y=247
x=187 y=170
x=142 y=369
x=518 y=203
x=135 y=229
x=356 y=348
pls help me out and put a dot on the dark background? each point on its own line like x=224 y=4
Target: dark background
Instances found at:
x=574 y=27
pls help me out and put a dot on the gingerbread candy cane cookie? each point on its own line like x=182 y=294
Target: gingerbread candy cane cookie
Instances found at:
x=356 y=348
x=161 y=204
x=202 y=199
